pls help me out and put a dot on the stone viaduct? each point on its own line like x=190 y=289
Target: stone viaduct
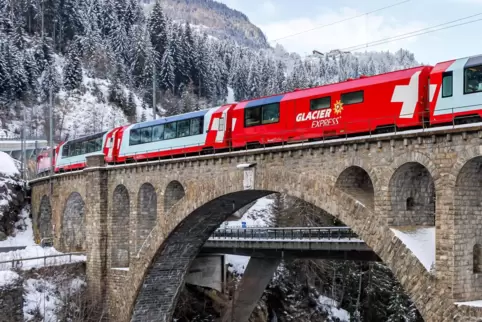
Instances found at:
x=143 y=224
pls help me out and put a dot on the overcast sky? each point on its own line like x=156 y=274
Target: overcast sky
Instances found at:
x=281 y=18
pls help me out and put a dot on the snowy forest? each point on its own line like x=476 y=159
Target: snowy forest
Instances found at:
x=99 y=58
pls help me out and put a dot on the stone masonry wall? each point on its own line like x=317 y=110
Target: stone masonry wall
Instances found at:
x=307 y=172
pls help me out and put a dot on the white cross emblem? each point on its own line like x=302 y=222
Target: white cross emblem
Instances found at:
x=408 y=95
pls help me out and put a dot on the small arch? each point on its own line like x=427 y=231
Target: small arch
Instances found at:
x=356 y=182
x=174 y=192
x=477 y=259
x=45 y=218
x=146 y=214
x=120 y=254
x=73 y=223
x=412 y=196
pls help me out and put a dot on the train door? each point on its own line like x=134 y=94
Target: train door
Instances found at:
x=221 y=131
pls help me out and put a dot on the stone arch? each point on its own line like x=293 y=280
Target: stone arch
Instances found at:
x=73 y=223
x=174 y=192
x=146 y=214
x=45 y=218
x=356 y=182
x=120 y=254
x=199 y=214
x=412 y=196
x=468 y=221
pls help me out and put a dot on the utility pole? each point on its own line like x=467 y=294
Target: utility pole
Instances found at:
x=51 y=139
x=154 y=91
x=22 y=145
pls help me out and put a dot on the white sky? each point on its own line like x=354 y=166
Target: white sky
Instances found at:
x=281 y=18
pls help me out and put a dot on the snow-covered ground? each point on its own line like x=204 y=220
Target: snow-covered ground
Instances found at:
x=331 y=306
x=7 y=165
x=421 y=241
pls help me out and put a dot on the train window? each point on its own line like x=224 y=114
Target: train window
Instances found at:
x=78 y=148
x=83 y=149
x=320 y=103
x=170 y=131
x=447 y=84
x=183 y=128
x=90 y=146
x=146 y=135
x=98 y=144
x=352 y=98
x=158 y=132
x=196 y=126
x=270 y=113
x=135 y=137
x=473 y=79
x=252 y=116
x=65 y=151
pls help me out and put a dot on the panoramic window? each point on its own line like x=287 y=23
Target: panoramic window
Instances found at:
x=196 y=126
x=158 y=132
x=146 y=135
x=65 y=150
x=473 y=79
x=135 y=137
x=183 y=128
x=252 y=116
x=320 y=103
x=447 y=84
x=170 y=131
x=270 y=113
x=352 y=98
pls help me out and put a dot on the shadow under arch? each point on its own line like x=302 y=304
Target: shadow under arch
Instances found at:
x=173 y=193
x=44 y=223
x=356 y=181
x=73 y=223
x=203 y=214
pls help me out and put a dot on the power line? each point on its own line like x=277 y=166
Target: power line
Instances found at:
x=343 y=20
x=413 y=33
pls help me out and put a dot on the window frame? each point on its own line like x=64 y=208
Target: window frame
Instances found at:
x=465 y=79
x=318 y=98
x=445 y=74
x=261 y=109
x=353 y=92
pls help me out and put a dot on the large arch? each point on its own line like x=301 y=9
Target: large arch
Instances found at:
x=45 y=218
x=199 y=214
x=120 y=254
x=173 y=193
x=468 y=222
x=356 y=182
x=73 y=223
x=146 y=214
x=412 y=196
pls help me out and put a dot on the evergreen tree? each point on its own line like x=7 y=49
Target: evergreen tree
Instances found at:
x=73 y=68
x=167 y=73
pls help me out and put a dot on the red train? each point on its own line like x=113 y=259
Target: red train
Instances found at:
x=449 y=92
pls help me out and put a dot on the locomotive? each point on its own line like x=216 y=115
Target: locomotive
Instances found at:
x=426 y=96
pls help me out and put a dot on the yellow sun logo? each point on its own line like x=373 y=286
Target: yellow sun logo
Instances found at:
x=338 y=107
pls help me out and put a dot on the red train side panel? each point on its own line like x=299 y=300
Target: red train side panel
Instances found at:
x=397 y=98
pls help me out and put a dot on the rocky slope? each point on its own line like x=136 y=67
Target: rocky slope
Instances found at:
x=11 y=195
x=216 y=19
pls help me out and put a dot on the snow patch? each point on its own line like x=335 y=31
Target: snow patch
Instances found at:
x=7 y=165
x=331 y=306
x=239 y=263
x=259 y=215
x=22 y=237
x=470 y=303
x=7 y=278
x=421 y=241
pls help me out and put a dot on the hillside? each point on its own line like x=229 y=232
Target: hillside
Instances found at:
x=214 y=18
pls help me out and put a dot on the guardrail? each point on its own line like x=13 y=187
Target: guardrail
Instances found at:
x=18 y=262
x=281 y=233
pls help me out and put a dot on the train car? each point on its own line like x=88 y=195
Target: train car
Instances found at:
x=186 y=134
x=367 y=104
x=43 y=162
x=72 y=154
x=456 y=91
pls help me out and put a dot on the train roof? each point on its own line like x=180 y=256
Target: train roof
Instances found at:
x=169 y=119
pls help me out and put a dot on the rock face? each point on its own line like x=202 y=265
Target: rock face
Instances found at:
x=12 y=196
x=11 y=297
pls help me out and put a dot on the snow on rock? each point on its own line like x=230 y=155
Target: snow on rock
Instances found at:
x=7 y=165
x=331 y=307
x=239 y=263
x=421 y=241
x=7 y=278
x=470 y=303
x=23 y=234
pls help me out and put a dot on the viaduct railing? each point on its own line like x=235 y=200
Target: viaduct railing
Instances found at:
x=321 y=234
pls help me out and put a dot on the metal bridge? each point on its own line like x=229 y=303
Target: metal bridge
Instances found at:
x=294 y=242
